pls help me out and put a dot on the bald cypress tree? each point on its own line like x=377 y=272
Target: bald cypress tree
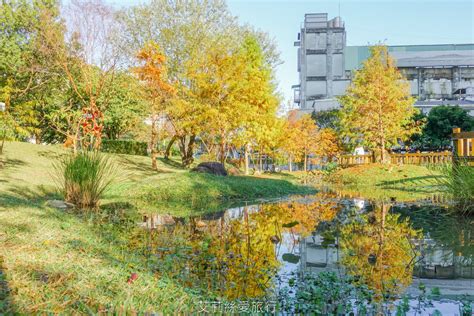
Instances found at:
x=377 y=110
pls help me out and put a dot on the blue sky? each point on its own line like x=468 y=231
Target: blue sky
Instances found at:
x=394 y=22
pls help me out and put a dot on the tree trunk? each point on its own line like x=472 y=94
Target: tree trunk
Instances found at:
x=246 y=158
x=260 y=161
x=380 y=253
x=190 y=151
x=76 y=141
x=153 y=140
x=222 y=151
x=168 y=147
x=4 y=135
x=290 y=160
x=382 y=148
x=75 y=145
x=187 y=149
x=37 y=138
x=305 y=160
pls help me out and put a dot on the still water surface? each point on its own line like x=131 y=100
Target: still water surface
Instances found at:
x=328 y=253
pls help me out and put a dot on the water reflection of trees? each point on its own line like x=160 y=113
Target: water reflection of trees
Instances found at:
x=378 y=251
x=245 y=249
x=443 y=232
x=235 y=258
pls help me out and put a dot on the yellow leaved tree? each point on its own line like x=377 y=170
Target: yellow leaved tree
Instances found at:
x=301 y=138
x=377 y=110
x=234 y=84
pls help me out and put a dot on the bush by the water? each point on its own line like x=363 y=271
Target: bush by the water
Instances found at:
x=458 y=181
x=84 y=177
x=129 y=147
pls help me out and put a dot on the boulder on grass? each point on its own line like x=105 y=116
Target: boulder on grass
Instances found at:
x=215 y=168
x=62 y=205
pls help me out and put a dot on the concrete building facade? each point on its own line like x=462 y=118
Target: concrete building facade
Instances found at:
x=438 y=74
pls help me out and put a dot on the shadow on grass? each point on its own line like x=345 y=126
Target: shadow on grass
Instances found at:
x=172 y=163
x=51 y=154
x=12 y=228
x=6 y=307
x=386 y=193
x=430 y=178
x=13 y=163
x=409 y=190
x=144 y=167
x=23 y=196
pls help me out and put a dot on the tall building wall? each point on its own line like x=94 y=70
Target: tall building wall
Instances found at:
x=321 y=59
x=325 y=64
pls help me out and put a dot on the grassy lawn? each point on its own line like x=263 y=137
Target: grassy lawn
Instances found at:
x=28 y=169
x=54 y=261
x=377 y=181
x=58 y=262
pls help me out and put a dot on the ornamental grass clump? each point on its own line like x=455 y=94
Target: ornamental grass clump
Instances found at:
x=458 y=182
x=83 y=178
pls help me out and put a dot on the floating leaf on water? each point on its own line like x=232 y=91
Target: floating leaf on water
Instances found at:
x=291 y=258
x=290 y=224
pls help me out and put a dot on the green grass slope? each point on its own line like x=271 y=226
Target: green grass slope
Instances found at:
x=379 y=181
x=58 y=262
x=28 y=168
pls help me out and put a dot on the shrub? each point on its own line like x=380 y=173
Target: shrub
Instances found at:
x=128 y=147
x=331 y=167
x=458 y=182
x=84 y=177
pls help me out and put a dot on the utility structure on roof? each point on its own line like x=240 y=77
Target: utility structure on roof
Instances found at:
x=438 y=74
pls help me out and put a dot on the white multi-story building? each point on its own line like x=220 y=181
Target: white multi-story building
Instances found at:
x=438 y=74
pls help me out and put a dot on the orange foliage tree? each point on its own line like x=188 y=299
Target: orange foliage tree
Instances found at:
x=303 y=137
x=158 y=90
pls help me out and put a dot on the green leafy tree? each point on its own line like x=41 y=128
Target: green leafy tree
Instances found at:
x=126 y=108
x=439 y=125
x=378 y=109
x=26 y=78
x=327 y=118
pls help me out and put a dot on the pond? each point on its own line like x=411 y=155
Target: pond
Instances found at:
x=326 y=253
